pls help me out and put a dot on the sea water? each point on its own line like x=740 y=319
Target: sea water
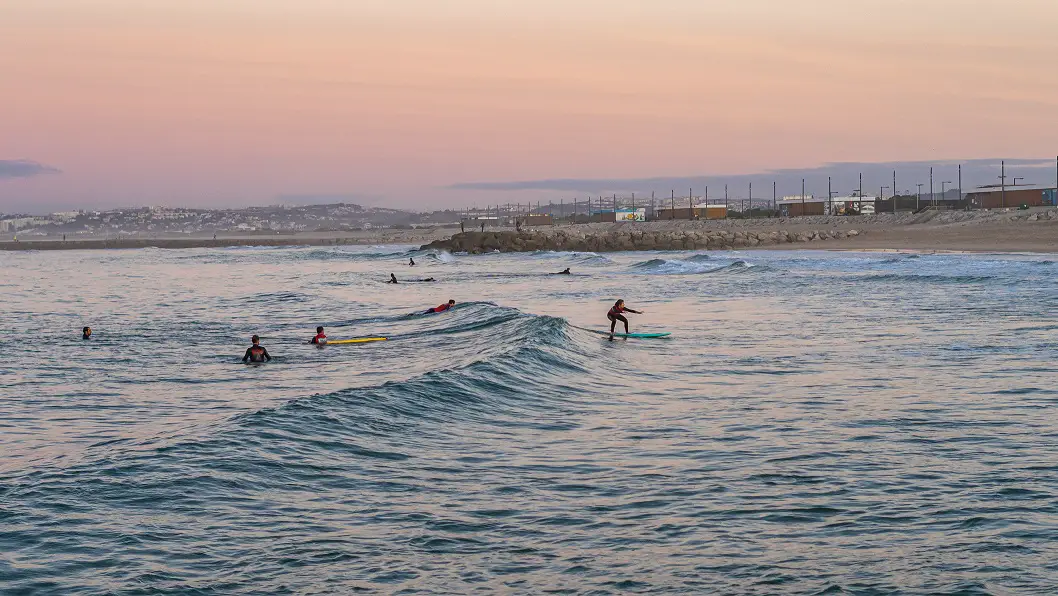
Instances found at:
x=818 y=423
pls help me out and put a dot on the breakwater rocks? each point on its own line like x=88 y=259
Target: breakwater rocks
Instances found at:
x=621 y=240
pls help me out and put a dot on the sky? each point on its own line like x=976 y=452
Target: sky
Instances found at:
x=421 y=103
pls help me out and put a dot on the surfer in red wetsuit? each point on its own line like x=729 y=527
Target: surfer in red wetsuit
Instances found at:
x=320 y=337
x=442 y=307
x=615 y=315
x=256 y=352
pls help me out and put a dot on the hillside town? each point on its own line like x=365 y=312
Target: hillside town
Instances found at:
x=153 y=221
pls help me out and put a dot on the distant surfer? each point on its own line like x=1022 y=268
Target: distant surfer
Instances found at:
x=411 y=262
x=447 y=306
x=427 y=279
x=563 y=272
x=392 y=279
x=616 y=314
x=320 y=338
x=256 y=353
x=86 y=333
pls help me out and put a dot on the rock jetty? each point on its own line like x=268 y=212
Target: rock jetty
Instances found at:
x=623 y=240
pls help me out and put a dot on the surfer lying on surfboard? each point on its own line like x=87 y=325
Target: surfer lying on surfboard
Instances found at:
x=442 y=307
x=615 y=315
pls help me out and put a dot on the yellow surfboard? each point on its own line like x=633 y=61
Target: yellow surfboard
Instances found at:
x=360 y=340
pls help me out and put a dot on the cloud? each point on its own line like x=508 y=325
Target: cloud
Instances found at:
x=23 y=168
x=843 y=177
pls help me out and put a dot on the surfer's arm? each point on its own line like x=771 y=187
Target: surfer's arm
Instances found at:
x=638 y=312
x=267 y=357
x=246 y=356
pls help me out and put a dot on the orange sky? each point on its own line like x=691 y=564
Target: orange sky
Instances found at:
x=201 y=102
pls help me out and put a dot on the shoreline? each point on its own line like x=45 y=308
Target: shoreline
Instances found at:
x=1033 y=231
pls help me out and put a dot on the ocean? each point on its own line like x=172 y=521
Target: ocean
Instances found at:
x=817 y=423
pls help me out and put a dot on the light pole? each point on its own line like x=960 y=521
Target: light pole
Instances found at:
x=1016 y=178
x=932 y=195
x=942 y=184
x=1003 y=180
x=802 y=197
x=918 y=197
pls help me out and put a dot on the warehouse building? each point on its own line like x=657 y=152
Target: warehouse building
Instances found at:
x=998 y=197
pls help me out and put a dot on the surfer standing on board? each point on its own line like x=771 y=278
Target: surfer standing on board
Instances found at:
x=615 y=315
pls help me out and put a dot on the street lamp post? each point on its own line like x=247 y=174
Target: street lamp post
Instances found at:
x=918 y=197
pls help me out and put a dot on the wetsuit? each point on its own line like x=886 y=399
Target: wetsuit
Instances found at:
x=615 y=315
x=256 y=354
x=319 y=339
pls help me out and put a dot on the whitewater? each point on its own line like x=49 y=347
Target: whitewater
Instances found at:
x=817 y=423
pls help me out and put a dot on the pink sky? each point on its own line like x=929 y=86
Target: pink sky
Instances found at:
x=203 y=102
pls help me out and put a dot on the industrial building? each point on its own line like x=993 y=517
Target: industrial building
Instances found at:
x=998 y=197
x=796 y=206
x=696 y=212
x=610 y=216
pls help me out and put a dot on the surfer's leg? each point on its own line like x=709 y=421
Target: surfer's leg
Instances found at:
x=613 y=323
x=625 y=321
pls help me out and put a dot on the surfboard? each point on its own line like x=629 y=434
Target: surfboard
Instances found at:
x=360 y=340
x=633 y=335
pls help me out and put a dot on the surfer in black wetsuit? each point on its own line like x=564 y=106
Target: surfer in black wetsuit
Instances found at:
x=256 y=353
x=563 y=272
x=392 y=279
x=615 y=315
x=411 y=262
x=86 y=333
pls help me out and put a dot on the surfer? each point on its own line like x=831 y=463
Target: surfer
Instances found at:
x=615 y=315
x=256 y=352
x=563 y=272
x=411 y=262
x=392 y=279
x=442 y=307
x=320 y=337
x=86 y=333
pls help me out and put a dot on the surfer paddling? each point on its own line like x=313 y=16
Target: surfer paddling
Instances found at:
x=256 y=353
x=616 y=314
x=447 y=306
